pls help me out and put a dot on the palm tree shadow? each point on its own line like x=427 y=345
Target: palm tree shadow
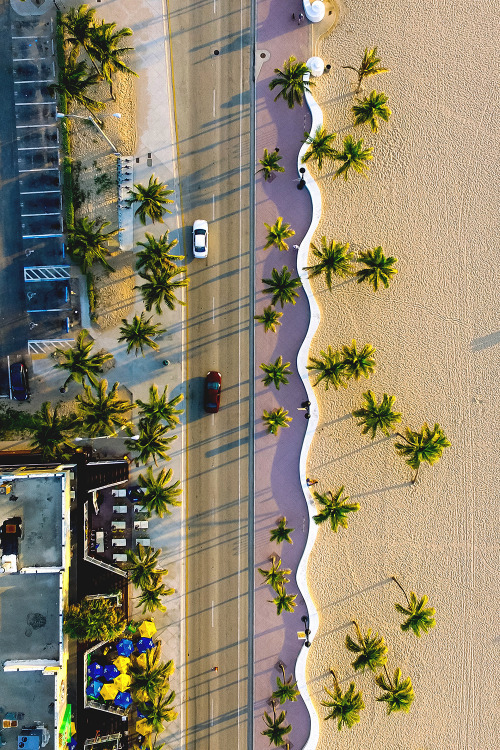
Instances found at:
x=409 y=483
x=353 y=453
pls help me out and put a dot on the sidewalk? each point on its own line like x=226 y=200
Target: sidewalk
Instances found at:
x=277 y=488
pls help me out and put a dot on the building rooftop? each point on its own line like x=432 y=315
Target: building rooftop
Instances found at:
x=31 y=693
x=38 y=504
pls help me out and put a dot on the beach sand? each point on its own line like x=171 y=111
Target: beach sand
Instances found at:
x=431 y=200
x=115 y=291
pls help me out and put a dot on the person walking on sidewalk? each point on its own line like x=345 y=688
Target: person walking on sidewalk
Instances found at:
x=301 y=18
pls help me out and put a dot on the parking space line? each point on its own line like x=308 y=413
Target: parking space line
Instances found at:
x=46 y=169
x=45 y=80
x=39 y=125
x=38 y=192
x=8 y=370
x=37 y=148
x=28 y=59
x=32 y=37
x=40 y=236
x=28 y=104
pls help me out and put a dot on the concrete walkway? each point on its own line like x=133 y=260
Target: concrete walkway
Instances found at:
x=277 y=487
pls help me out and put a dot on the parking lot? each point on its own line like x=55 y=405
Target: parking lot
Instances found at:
x=40 y=298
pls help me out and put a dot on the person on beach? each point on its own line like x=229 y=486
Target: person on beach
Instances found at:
x=311 y=482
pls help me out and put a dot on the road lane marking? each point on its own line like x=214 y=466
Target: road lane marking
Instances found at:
x=214 y=105
x=213 y=310
x=215 y=9
x=211 y=712
x=212 y=613
x=213 y=207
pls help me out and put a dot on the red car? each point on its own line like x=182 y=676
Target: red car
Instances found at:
x=213 y=386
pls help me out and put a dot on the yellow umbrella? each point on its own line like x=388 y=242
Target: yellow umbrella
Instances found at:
x=109 y=691
x=147 y=628
x=73 y=728
x=141 y=661
x=122 y=682
x=143 y=727
x=122 y=663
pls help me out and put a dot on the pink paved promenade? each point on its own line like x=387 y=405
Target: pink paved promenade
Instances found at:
x=277 y=488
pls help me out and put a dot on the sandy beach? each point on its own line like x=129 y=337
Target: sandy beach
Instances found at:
x=430 y=200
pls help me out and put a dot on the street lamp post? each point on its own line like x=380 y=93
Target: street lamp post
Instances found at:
x=61 y=116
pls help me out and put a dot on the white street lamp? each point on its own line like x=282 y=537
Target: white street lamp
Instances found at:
x=61 y=116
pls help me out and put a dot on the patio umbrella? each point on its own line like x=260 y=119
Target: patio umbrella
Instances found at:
x=144 y=644
x=122 y=663
x=94 y=688
x=147 y=628
x=109 y=691
x=95 y=670
x=110 y=672
x=122 y=682
x=125 y=646
x=71 y=745
x=142 y=727
x=141 y=661
x=123 y=700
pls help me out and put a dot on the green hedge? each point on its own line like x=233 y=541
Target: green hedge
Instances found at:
x=69 y=209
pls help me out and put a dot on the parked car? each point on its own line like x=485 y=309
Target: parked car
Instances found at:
x=19 y=381
x=200 y=238
x=213 y=386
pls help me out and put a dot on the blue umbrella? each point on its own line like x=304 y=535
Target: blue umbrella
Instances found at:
x=123 y=700
x=71 y=745
x=125 y=647
x=95 y=670
x=94 y=688
x=141 y=716
x=110 y=672
x=144 y=644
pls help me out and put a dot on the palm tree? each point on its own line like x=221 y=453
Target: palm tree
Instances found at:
x=270 y=164
x=371 y=649
x=345 y=707
x=281 y=533
x=152 y=200
x=284 y=602
x=379 y=268
x=270 y=318
x=291 y=82
x=369 y=67
x=375 y=416
x=358 y=363
x=335 y=509
x=275 y=419
x=87 y=243
x=276 y=730
x=160 y=288
x=140 y=333
x=79 y=24
x=158 y=711
x=151 y=442
x=334 y=259
x=276 y=575
x=353 y=156
x=426 y=445
x=419 y=617
x=286 y=689
x=73 y=81
x=142 y=566
x=276 y=373
x=398 y=693
x=51 y=434
x=104 y=41
x=158 y=495
x=278 y=233
x=157 y=253
x=282 y=286
x=93 y=620
x=150 y=598
x=330 y=368
x=370 y=109
x=320 y=146
x=79 y=362
x=151 y=682
x=159 y=408
x=103 y=412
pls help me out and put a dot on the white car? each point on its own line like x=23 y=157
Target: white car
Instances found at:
x=200 y=238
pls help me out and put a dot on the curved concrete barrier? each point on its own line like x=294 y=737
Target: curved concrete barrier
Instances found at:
x=302 y=359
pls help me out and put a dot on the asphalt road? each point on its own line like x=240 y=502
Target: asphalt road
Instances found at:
x=212 y=106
